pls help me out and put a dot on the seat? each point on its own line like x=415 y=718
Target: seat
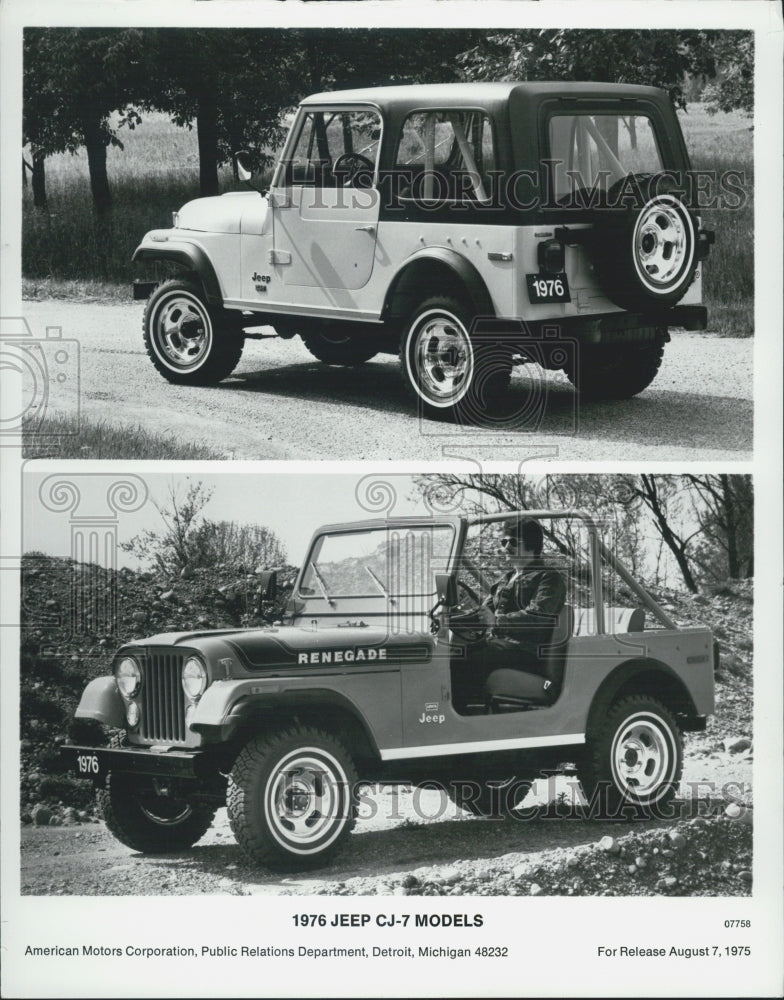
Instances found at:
x=616 y=620
x=507 y=689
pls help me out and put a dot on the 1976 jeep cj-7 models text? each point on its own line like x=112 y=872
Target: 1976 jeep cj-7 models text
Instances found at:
x=368 y=678
x=398 y=216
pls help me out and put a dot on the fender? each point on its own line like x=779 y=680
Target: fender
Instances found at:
x=189 y=255
x=102 y=701
x=626 y=673
x=468 y=276
x=225 y=706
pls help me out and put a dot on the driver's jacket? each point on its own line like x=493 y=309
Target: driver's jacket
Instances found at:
x=533 y=601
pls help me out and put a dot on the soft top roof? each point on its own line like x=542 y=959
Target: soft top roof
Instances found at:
x=473 y=94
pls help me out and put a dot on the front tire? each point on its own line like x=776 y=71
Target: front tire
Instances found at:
x=291 y=798
x=449 y=371
x=634 y=758
x=144 y=820
x=616 y=371
x=189 y=341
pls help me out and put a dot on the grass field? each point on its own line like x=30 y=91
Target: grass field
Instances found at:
x=67 y=437
x=67 y=253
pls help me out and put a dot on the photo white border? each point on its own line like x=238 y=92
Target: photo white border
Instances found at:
x=553 y=939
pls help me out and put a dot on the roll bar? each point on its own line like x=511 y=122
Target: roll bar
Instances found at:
x=598 y=551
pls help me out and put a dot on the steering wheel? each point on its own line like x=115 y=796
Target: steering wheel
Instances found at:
x=471 y=626
x=352 y=165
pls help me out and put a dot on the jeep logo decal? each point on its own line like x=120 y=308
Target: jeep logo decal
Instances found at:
x=431 y=714
x=358 y=655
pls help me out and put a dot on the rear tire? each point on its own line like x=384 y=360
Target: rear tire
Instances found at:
x=189 y=341
x=615 y=371
x=447 y=369
x=634 y=758
x=291 y=798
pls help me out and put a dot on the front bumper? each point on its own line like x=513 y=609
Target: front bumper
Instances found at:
x=95 y=763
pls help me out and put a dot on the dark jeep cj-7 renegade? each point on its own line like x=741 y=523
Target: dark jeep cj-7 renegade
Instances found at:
x=398 y=216
x=368 y=679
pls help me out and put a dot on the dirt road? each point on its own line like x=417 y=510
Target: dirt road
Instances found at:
x=283 y=404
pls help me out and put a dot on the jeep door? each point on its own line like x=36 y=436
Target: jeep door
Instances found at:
x=324 y=199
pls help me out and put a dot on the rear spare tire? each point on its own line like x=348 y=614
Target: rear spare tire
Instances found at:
x=645 y=243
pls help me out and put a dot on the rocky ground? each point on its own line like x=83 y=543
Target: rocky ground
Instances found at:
x=67 y=639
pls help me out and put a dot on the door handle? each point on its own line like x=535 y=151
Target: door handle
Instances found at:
x=365 y=229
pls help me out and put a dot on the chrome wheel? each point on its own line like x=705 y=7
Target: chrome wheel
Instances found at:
x=440 y=358
x=307 y=800
x=643 y=756
x=663 y=243
x=182 y=331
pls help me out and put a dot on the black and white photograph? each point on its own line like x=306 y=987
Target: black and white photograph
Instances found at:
x=371 y=243
x=391 y=510
x=502 y=685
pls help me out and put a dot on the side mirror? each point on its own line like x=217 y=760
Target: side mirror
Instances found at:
x=446 y=589
x=269 y=585
x=242 y=162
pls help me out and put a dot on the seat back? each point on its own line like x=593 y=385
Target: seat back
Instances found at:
x=616 y=620
x=555 y=654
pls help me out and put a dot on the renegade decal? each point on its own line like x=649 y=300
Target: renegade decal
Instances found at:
x=358 y=655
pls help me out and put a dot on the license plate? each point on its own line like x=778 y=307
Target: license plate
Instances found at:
x=86 y=765
x=550 y=288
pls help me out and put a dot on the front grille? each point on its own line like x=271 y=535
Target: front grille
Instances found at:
x=162 y=697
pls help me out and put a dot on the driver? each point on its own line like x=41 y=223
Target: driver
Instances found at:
x=525 y=601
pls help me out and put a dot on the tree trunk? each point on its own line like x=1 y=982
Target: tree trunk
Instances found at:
x=731 y=523
x=207 y=131
x=96 y=160
x=39 y=181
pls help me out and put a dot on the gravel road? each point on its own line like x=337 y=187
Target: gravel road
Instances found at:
x=283 y=404
x=420 y=843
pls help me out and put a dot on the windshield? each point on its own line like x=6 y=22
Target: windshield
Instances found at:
x=593 y=151
x=396 y=562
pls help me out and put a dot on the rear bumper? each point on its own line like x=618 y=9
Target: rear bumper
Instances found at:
x=621 y=326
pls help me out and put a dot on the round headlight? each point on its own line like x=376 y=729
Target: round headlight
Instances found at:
x=128 y=676
x=194 y=678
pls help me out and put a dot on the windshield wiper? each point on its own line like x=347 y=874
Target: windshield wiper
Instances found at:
x=322 y=585
x=380 y=585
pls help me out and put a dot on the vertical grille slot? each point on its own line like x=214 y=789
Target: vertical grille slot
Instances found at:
x=162 y=698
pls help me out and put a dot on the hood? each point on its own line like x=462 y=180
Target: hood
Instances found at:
x=293 y=646
x=222 y=214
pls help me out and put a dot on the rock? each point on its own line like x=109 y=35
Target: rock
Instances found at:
x=641 y=862
x=609 y=844
x=26 y=818
x=573 y=861
x=632 y=869
x=139 y=616
x=745 y=875
x=167 y=595
x=667 y=853
x=698 y=821
x=520 y=871
x=400 y=890
x=55 y=821
x=677 y=839
x=535 y=890
x=187 y=572
x=41 y=815
x=738 y=745
x=738 y=813
x=670 y=881
x=410 y=881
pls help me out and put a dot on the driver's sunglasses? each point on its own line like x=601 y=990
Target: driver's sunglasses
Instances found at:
x=509 y=543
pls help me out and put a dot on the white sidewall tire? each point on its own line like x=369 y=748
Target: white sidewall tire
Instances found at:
x=683 y=277
x=410 y=352
x=154 y=333
x=661 y=730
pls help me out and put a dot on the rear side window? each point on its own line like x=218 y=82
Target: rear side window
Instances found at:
x=593 y=151
x=446 y=155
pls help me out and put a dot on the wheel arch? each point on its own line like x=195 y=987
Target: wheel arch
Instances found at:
x=642 y=676
x=450 y=272
x=191 y=257
x=320 y=708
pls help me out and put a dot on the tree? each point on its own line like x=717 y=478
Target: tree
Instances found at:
x=726 y=517
x=660 y=58
x=74 y=79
